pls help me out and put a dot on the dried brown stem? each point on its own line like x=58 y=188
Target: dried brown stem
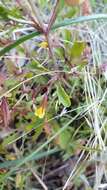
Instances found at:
x=39 y=179
x=36 y=13
x=53 y=16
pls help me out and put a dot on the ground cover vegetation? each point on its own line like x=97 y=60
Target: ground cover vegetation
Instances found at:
x=53 y=94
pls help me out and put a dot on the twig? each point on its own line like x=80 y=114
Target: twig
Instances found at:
x=36 y=13
x=34 y=21
x=43 y=171
x=46 y=31
x=56 y=171
x=36 y=25
x=49 y=47
x=39 y=179
x=53 y=16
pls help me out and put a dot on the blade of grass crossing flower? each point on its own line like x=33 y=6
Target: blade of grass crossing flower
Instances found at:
x=56 y=26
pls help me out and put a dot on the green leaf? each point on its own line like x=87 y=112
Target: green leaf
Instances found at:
x=35 y=125
x=37 y=66
x=64 y=139
x=71 y=12
x=61 y=5
x=3 y=13
x=15 y=12
x=63 y=96
x=67 y=35
x=10 y=83
x=77 y=49
x=60 y=52
x=38 y=126
x=9 y=139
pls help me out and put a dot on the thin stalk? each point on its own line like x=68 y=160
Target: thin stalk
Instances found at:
x=36 y=13
x=53 y=16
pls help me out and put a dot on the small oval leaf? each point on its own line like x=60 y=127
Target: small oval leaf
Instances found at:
x=77 y=49
x=63 y=96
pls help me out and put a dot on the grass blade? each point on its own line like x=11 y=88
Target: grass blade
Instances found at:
x=8 y=164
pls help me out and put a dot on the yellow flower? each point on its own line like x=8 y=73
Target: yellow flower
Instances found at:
x=43 y=44
x=40 y=112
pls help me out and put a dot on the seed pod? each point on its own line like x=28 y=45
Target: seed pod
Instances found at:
x=74 y=2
